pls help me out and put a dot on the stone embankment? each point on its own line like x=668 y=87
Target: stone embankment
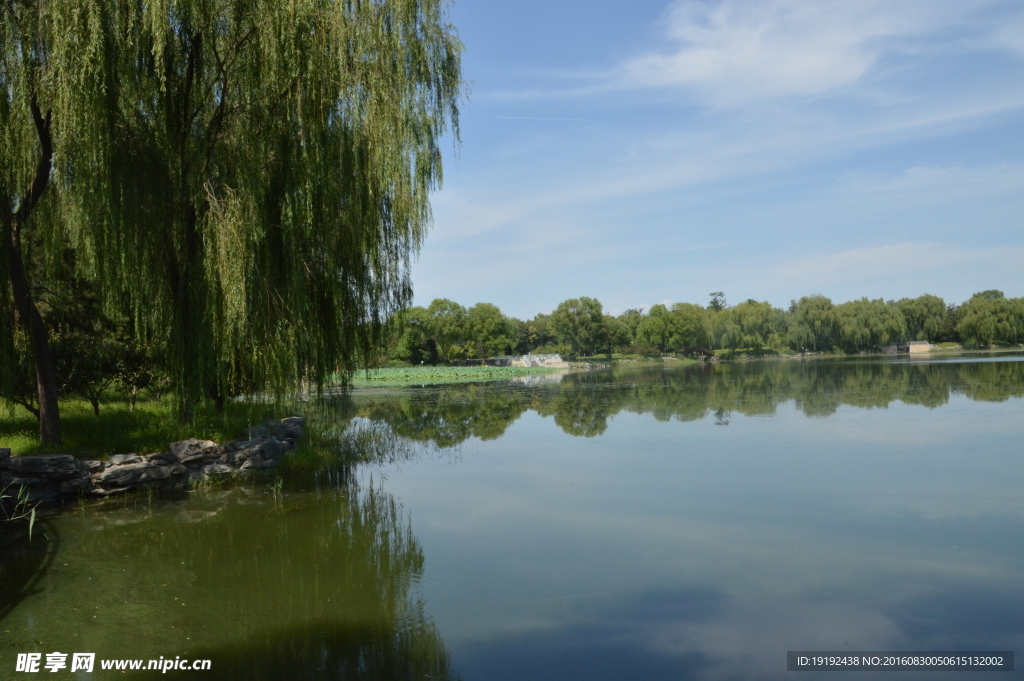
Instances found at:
x=56 y=476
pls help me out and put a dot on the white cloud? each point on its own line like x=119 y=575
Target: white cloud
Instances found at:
x=734 y=51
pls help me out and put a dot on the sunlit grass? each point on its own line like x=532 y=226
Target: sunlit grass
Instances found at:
x=150 y=428
x=436 y=375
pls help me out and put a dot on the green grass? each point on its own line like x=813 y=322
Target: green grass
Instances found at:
x=150 y=428
x=435 y=375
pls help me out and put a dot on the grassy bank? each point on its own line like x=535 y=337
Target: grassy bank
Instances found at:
x=436 y=375
x=117 y=430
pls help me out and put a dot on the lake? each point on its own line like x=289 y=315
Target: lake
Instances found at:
x=657 y=522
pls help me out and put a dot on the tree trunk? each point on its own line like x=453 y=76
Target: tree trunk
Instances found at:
x=42 y=358
x=28 y=313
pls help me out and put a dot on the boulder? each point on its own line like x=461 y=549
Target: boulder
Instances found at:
x=53 y=466
x=163 y=458
x=120 y=459
x=91 y=466
x=5 y=455
x=18 y=480
x=69 y=487
x=200 y=459
x=273 y=448
x=218 y=469
x=193 y=447
x=257 y=463
x=131 y=474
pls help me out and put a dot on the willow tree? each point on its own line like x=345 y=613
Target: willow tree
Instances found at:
x=247 y=179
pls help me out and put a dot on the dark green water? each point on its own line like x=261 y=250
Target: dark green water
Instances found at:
x=676 y=523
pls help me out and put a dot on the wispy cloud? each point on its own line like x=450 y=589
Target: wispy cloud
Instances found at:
x=735 y=51
x=852 y=268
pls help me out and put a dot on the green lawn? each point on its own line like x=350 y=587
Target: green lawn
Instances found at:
x=435 y=375
x=150 y=428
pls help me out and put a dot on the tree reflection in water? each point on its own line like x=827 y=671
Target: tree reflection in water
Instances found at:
x=582 y=403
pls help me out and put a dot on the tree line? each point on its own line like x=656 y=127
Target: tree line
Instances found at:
x=445 y=331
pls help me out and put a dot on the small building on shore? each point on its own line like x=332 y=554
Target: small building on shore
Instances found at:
x=913 y=347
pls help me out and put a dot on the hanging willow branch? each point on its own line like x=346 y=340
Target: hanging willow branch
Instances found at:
x=249 y=177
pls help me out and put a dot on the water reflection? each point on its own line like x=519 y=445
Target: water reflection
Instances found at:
x=581 y=404
x=269 y=587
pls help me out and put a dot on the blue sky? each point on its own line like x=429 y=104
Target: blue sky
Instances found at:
x=649 y=151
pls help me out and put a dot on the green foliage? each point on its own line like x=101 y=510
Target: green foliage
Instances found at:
x=536 y=333
x=249 y=180
x=489 y=332
x=869 y=325
x=717 y=302
x=447 y=326
x=748 y=325
x=616 y=334
x=579 y=323
x=654 y=332
x=688 y=327
x=988 y=319
x=813 y=325
x=924 y=315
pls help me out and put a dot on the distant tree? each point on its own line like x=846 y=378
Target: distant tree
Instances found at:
x=536 y=333
x=488 y=331
x=631 y=318
x=813 y=324
x=579 y=323
x=447 y=326
x=653 y=331
x=616 y=334
x=991 y=294
x=869 y=324
x=415 y=343
x=988 y=319
x=718 y=302
x=925 y=316
x=747 y=325
x=688 y=327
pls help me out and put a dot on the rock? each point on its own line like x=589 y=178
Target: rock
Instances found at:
x=121 y=459
x=243 y=455
x=237 y=445
x=77 y=485
x=257 y=463
x=91 y=466
x=5 y=456
x=193 y=447
x=200 y=459
x=131 y=474
x=53 y=466
x=218 y=469
x=272 y=448
x=177 y=470
x=292 y=427
x=18 y=480
x=163 y=458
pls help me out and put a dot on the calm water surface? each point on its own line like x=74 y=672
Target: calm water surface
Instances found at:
x=658 y=523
